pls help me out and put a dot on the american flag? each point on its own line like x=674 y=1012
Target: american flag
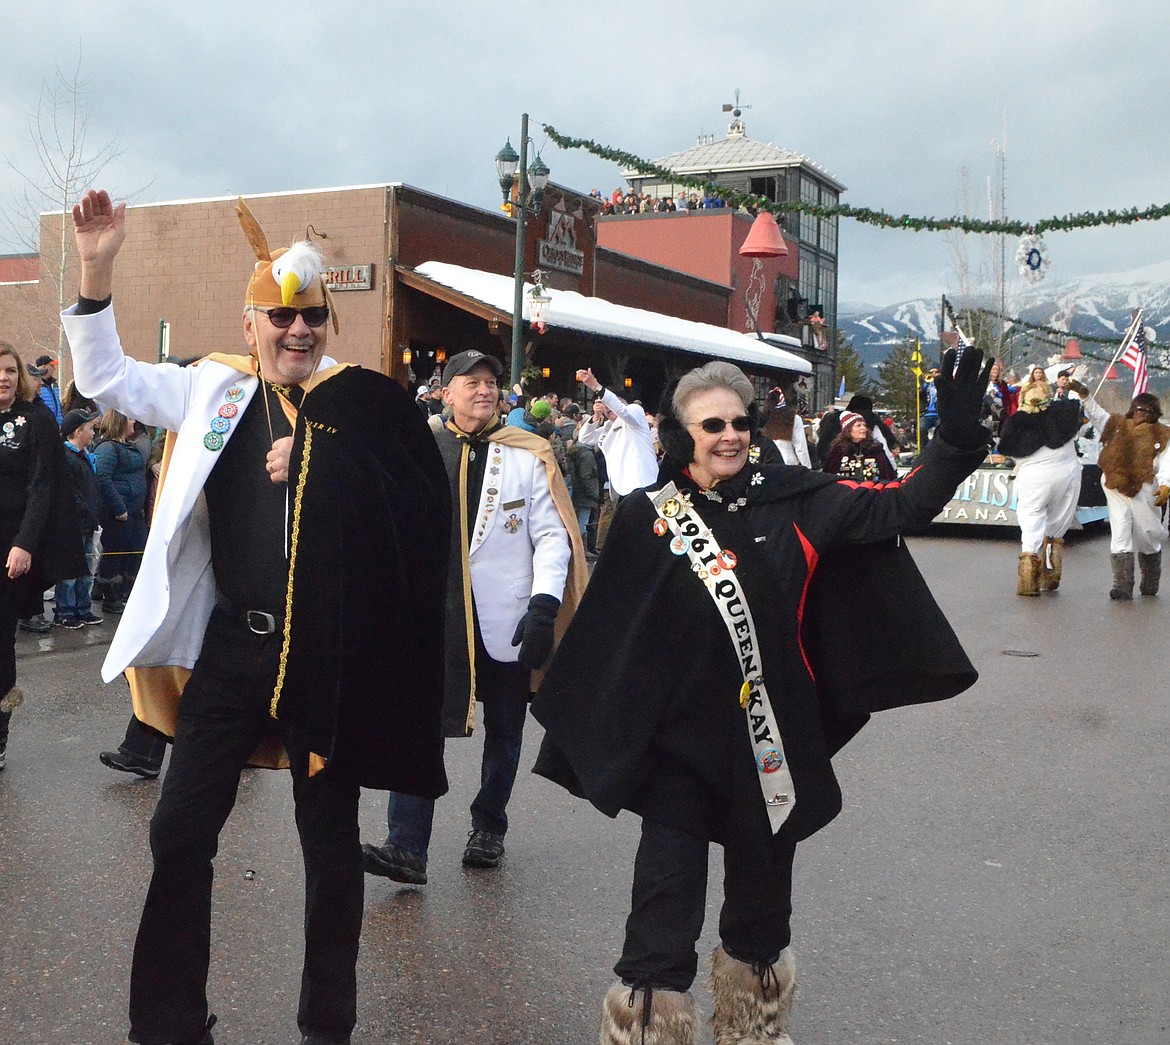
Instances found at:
x=1134 y=355
x=961 y=345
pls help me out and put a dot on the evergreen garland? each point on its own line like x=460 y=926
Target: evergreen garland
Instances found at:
x=865 y=215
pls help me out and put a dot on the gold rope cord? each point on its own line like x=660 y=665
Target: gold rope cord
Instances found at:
x=292 y=565
x=465 y=554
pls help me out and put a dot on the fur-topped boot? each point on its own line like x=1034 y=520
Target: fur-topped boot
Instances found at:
x=1029 y=574
x=1122 y=563
x=645 y=1016
x=752 y=1005
x=1151 y=568
x=1051 y=563
x=11 y=700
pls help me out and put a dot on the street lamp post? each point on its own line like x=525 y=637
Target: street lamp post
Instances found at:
x=530 y=188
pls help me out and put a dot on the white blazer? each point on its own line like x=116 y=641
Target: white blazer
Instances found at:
x=519 y=546
x=167 y=612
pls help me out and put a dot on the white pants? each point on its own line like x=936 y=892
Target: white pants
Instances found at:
x=1048 y=486
x=1135 y=524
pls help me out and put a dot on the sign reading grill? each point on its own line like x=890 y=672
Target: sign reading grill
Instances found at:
x=350 y=277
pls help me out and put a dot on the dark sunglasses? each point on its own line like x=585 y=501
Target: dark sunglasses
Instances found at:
x=715 y=425
x=283 y=318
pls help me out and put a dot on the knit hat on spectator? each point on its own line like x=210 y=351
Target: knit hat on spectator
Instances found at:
x=35 y=371
x=422 y=391
x=541 y=409
x=75 y=419
x=849 y=418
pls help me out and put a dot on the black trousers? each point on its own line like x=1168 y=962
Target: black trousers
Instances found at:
x=670 y=896
x=11 y=610
x=223 y=712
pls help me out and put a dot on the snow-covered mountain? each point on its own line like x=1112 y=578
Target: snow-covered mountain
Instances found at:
x=1098 y=306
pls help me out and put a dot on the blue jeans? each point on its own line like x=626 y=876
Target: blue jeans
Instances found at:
x=72 y=597
x=583 y=519
x=504 y=691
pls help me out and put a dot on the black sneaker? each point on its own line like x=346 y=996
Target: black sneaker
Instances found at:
x=484 y=849
x=89 y=617
x=37 y=624
x=72 y=623
x=393 y=862
x=126 y=762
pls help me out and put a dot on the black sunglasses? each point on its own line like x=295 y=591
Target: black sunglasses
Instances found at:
x=283 y=318
x=715 y=425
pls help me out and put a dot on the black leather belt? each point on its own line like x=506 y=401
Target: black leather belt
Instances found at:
x=259 y=622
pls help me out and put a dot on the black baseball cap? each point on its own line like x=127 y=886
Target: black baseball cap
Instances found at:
x=74 y=419
x=465 y=362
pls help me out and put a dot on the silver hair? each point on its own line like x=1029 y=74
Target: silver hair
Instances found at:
x=712 y=375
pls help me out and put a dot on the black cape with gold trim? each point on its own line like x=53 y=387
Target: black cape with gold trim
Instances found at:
x=362 y=667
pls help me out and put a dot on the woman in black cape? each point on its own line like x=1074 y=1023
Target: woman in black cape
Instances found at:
x=648 y=705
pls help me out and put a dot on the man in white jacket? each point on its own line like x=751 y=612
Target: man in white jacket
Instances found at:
x=517 y=566
x=211 y=614
x=623 y=434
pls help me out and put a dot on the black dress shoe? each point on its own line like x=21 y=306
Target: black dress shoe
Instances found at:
x=127 y=762
x=37 y=624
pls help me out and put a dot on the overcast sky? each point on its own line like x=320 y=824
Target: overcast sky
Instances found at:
x=895 y=99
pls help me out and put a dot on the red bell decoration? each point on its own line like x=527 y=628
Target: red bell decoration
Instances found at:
x=1072 y=350
x=764 y=239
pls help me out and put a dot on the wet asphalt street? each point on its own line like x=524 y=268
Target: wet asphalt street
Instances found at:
x=999 y=874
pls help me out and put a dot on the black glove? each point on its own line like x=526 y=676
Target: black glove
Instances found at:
x=960 y=399
x=534 y=633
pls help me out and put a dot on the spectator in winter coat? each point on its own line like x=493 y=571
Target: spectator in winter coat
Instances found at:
x=586 y=486
x=121 y=475
x=50 y=392
x=856 y=455
x=72 y=608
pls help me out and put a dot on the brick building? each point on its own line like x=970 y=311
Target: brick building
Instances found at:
x=784 y=291
x=183 y=270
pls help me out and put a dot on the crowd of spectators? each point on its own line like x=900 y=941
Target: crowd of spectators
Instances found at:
x=625 y=201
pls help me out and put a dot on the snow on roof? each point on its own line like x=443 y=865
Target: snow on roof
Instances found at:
x=572 y=311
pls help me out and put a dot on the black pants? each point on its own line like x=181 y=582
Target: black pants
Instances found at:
x=670 y=896
x=144 y=741
x=11 y=609
x=223 y=713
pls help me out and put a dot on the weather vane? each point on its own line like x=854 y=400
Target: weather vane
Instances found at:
x=737 y=125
